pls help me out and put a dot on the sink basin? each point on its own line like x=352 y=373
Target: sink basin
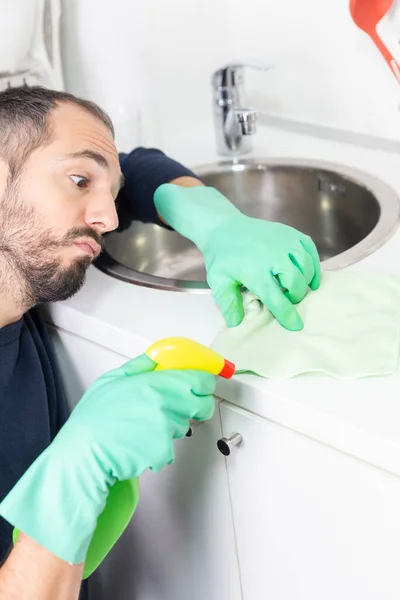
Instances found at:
x=348 y=214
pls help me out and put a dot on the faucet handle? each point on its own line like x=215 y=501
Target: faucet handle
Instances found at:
x=251 y=63
x=230 y=73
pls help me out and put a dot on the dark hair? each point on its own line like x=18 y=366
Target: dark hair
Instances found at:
x=24 y=121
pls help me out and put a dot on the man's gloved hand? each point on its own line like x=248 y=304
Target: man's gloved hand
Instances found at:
x=275 y=262
x=124 y=424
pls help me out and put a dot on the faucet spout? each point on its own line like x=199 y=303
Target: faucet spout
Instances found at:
x=239 y=122
x=247 y=119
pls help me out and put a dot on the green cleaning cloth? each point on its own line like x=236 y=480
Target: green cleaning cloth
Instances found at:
x=351 y=330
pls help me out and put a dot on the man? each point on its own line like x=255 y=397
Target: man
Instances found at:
x=60 y=175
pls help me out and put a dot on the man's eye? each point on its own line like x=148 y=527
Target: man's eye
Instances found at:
x=80 y=182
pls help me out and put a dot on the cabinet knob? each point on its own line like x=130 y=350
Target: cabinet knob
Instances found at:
x=225 y=445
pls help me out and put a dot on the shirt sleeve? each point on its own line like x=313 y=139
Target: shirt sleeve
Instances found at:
x=144 y=170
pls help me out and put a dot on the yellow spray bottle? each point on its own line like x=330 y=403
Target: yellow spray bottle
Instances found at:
x=169 y=353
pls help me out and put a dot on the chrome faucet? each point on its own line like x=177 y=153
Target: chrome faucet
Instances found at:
x=233 y=122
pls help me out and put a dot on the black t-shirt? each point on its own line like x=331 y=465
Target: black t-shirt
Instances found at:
x=32 y=403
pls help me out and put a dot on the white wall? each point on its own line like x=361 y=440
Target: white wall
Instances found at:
x=155 y=57
x=149 y=56
x=106 y=56
x=327 y=70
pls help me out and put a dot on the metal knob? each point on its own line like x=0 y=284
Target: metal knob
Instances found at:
x=226 y=445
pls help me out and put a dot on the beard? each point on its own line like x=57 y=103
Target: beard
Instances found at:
x=27 y=251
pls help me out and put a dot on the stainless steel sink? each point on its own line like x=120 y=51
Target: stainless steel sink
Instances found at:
x=348 y=213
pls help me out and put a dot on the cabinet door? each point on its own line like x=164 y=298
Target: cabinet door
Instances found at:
x=311 y=523
x=180 y=543
x=81 y=362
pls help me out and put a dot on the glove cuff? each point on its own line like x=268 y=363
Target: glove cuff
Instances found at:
x=40 y=505
x=193 y=212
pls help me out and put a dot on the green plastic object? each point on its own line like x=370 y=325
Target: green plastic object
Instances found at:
x=121 y=504
x=122 y=501
x=78 y=496
x=273 y=261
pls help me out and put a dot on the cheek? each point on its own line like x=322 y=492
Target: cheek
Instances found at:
x=53 y=202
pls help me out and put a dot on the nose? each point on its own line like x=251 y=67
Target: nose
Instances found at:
x=102 y=215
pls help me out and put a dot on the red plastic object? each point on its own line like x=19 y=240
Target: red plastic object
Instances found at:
x=366 y=15
x=228 y=370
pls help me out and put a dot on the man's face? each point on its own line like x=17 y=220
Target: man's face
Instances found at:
x=53 y=216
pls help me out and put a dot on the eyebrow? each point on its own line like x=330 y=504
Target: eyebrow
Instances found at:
x=97 y=158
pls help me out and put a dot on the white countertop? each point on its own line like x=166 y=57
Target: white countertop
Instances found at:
x=360 y=417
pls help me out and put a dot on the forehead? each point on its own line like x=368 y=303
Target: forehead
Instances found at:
x=75 y=129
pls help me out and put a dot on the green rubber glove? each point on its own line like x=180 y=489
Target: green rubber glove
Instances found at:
x=275 y=262
x=124 y=424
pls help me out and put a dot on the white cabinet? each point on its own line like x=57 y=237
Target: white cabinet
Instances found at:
x=298 y=520
x=311 y=522
x=180 y=543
